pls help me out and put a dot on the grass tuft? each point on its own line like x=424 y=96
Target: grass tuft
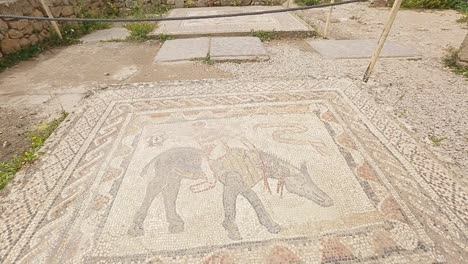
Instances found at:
x=163 y=37
x=264 y=36
x=308 y=2
x=139 y=30
x=450 y=61
x=437 y=141
x=37 y=138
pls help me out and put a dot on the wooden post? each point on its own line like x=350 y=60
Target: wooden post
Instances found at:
x=49 y=14
x=383 y=38
x=327 y=24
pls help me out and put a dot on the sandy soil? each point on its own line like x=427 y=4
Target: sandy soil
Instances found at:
x=38 y=90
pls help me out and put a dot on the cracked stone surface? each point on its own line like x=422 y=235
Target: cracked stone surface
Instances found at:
x=151 y=173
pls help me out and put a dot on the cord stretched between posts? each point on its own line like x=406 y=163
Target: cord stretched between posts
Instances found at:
x=70 y=19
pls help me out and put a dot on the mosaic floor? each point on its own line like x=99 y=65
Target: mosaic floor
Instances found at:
x=301 y=171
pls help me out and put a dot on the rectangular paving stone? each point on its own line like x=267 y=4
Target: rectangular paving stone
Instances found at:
x=106 y=35
x=237 y=49
x=280 y=22
x=183 y=50
x=359 y=49
x=152 y=173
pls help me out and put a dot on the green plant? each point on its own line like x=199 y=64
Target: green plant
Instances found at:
x=437 y=140
x=139 y=30
x=190 y=3
x=163 y=37
x=207 y=60
x=110 y=9
x=450 y=61
x=264 y=36
x=463 y=20
x=461 y=5
x=236 y=2
x=158 y=10
x=137 y=10
x=37 y=138
x=308 y=2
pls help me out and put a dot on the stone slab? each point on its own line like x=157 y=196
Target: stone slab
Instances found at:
x=218 y=48
x=280 y=22
x=183 y=50
x=359 y=49
x=150 y=173
x=237 y=49
x=109 y=34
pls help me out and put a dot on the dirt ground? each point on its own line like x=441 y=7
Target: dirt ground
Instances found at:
x=425 y=96
x=36 y=91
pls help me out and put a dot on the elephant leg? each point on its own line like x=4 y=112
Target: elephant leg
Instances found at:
x=263 y=216
x=230 y=193
x=152 y=190
x=170 y=193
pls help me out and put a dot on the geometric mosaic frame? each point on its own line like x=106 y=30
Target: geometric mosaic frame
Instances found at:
x=44 y=202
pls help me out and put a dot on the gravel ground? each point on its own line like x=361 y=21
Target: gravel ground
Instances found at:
x=426 y=97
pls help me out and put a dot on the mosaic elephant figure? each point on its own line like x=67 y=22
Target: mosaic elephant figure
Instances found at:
x=239 y=170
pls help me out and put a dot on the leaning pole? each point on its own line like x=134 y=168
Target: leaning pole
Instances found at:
x=383 y=38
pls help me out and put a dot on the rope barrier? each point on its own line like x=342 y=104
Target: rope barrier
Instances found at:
x=70 y=19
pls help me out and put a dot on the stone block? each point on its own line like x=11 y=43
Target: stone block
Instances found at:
x=129 y=3
x=56 y=11
x=9 y=45
x=37 y=13
x=179 y=3
x=3 y=26
x=106 y=35
x=281 y=22
x=37 y=26
x=24 y=42
x=33 y=39
x=15 y=34
x=20 y=24
x=183 y=50
x=28 y=30
x=359 y=49
x=67 y=11
x=237 y=49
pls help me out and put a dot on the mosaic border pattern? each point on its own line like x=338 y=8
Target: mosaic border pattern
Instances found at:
x=332 y=242
x=440 y=203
